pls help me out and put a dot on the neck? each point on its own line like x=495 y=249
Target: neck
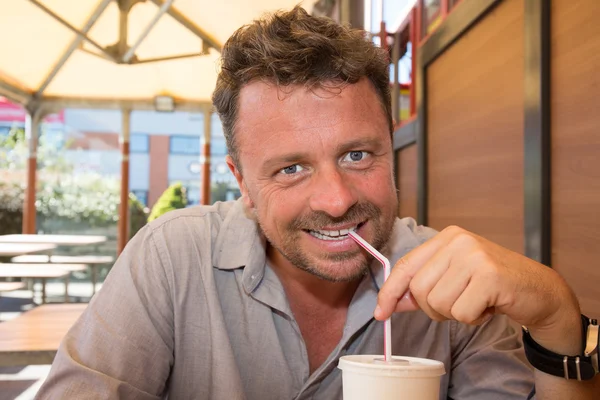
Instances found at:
x=307 y=289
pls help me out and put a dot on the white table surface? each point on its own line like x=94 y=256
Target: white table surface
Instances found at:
x=17 y=249
x=57 y=240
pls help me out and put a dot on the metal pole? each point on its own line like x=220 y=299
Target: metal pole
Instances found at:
x=123 y=27
x=414 y=40
x=345 y=11
x=123 y=227
x=163 y=9
x=74 y=29
x=32 y=123
x=396 y=85
x=191 y=26
x=205 y=159
x=74 y=45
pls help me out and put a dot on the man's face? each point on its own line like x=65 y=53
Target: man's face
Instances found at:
x=314 y=165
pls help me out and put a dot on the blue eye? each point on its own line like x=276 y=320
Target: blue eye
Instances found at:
x=355 y=156
x=291 y=169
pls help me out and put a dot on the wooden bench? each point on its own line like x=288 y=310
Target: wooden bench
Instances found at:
x=42 y=272
x=33 y=337
x=93 y=261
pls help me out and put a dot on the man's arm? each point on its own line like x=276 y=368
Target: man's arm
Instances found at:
x=460 y=276
x=122 y=346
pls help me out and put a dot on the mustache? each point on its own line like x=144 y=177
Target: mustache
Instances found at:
x=319 y=219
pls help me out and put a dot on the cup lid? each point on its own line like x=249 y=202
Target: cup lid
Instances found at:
x=404 y=366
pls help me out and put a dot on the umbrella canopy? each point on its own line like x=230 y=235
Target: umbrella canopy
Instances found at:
x=102 y=53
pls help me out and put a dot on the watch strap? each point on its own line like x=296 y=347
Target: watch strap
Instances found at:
x=569 y=367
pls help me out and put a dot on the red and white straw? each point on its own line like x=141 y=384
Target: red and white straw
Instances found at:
x=387 y=324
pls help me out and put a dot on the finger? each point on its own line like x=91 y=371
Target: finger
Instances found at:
x=404 y=292
x=393 y=289
x=423 y=253
x=396 y=286
x=426 y=279
x=448 y=288
x=475 y=304
x=407 y=303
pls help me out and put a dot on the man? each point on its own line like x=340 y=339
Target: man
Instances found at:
x=258 y=299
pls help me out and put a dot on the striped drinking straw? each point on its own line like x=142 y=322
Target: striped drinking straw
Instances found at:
x=387 y=324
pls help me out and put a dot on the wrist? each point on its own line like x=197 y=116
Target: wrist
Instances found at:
x=563 y=336
x=561 y=331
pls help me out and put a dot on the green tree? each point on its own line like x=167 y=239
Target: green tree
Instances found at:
x=173 y=197
x=14 y=150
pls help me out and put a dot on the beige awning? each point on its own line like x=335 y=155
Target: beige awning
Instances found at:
x=43 y=57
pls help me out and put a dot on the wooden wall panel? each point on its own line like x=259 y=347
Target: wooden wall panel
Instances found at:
x=475 y=129
x=406 y=176
x=575 y=123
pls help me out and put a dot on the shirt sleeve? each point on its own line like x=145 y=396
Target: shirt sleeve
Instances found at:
x=122 y=345
x=488 y=362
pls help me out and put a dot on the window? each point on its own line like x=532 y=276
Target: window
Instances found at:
x=431 y=15
x=184 y=145
x=142 y=196
x=218 y=147
x=139 y=143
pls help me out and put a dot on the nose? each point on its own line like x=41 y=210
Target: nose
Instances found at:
x=332 y=193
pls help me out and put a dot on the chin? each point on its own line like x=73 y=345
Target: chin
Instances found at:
x=337 y=273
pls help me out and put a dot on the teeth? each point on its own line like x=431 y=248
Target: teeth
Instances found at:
x=332 y=235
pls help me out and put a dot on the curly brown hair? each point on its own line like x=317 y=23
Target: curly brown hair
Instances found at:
x=295 y=48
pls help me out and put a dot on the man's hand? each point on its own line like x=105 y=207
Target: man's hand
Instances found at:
x=461 y=276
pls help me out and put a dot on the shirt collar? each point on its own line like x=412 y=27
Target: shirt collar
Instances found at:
x=239 y=243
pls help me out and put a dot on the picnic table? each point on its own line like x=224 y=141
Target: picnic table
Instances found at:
x=42 y=272
x=57 y=240
x=17 y=249
x=93 y=261
x=33 y=337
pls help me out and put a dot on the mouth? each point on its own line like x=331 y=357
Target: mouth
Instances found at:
x=334 y=234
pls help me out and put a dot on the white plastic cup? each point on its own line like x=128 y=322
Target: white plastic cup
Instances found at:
x=405 y=378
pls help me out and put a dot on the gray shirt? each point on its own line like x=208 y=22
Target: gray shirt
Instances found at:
x=192 y=310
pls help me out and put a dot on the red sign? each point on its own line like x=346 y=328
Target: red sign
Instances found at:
x=10 y=112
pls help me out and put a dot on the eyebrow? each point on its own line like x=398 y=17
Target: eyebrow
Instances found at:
x=292 y=158
x=286 y=159
x=360 y=144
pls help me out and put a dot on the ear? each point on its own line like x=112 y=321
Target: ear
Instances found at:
x=241 y=183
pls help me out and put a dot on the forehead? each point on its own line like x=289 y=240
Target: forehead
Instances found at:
x=265 y=109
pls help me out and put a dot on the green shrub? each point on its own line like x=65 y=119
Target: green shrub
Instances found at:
x=11 y=209
x=91 y=201
x=64 y=200
x=173 y=197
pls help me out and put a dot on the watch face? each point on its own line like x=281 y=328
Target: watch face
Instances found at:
x=593 y=343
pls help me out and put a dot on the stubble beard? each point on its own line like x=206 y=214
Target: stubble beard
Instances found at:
x=289 y=248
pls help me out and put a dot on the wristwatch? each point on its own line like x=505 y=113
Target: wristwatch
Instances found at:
x=583 y=367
